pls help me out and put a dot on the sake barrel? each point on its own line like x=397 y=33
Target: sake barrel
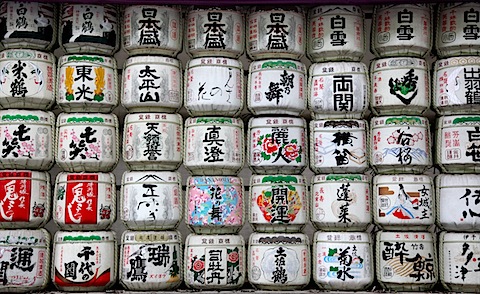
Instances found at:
x=27 y=79
x=214 y=262
x=25 y=199
x=152 y=29
x=335 y=32
x=215 y=31
x=27 y=138
x=151 y=200
x=85 y=28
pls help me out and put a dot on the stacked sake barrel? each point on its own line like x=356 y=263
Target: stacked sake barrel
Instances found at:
x=151 y=190
x=86 y=149
x=27 y=93
x=340 y=190
x=456 y=101
x=400 y=147
x=214 y=149
x=279 y=252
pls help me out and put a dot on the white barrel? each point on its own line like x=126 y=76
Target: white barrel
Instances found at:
x=27 y=138
x=214 y=262
x=275 y=33
x=214 y=86
x=152 y=84
x=456 y=85
x=25 y=260
x=87 y=142
x=458 y=29
x=400 y=144
x=399 y=85
x=279 y=261
x=214 y=205
x=214 y=145
x=277 y=145
x=406 y=261
x=402 y=30
x=338 y=146
x=87 y=83
x=458 y=261
x=151 y=200
x=84 y=261
x=458 y=143
x=335 y=32
x=84 y=201
x=403 y=202
x=456 y=202
x=152 y=141
x=276 y=86
x=152 y=29
x=342 y=260
x=27 y=79
x=151 y=260
x=85 y=28
x=215 y=31
x=278 y=203
x=341 y=202
x=28 y=25
x=25 y=200
x=338 y=90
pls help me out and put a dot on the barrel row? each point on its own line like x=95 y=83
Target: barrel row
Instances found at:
x=324 y=32
x=149 y=260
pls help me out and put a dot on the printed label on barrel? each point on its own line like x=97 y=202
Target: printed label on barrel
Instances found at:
x=88 y=264
x=458 y=30
x=457 y=82
x=152 y=28
x=279 y=265
x=95 y=24
x=87 y=79
x=151 y=263
x=401 y=141
x=27 y=74
x=277 y=85
x=152 y=137
x=27 y=21
x=26 y=138
x=276 y=32
x=402 y=202
x=278 y=200
x=341 y=201
x=408 y=259
x=343 y=265
x=400 y=82
x=402 y=29
x=152 y=83
x=460 y=254
x=218 y=31
x=215 y=263
x=218 y=142
x=216 y=201
x=460 y=140
x=281 y=142
x=338 y=88
x=151 y=199
x=24 y=260
x=339 y=145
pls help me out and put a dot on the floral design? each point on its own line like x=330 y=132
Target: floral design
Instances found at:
x=280 y=211
x=219 y=196
x=270 y=148
x=233 y=266
x=197 y=267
